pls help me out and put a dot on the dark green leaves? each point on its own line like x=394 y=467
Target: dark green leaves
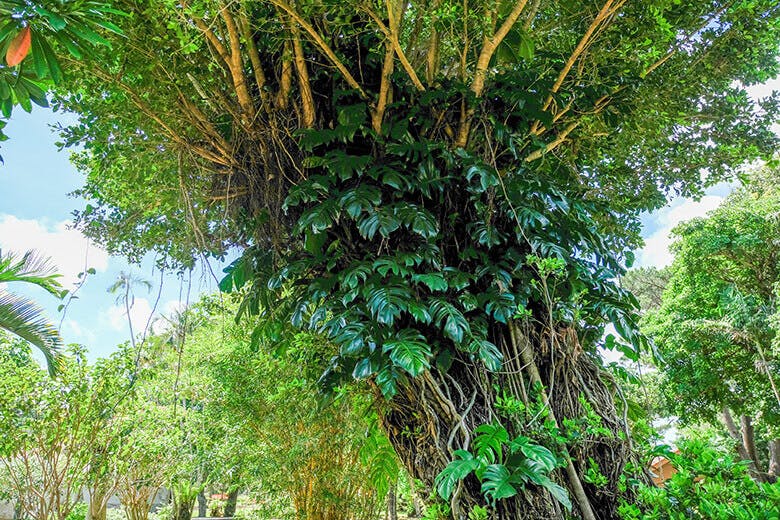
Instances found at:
x=503 y=467
x=462 y=466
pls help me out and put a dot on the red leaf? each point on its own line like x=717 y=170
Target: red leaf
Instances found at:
x=19 y=48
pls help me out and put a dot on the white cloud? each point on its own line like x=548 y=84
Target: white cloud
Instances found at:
x=73 y=332
x=68 y=248
x=656 y=251
x=764 y=90
x=116 y=315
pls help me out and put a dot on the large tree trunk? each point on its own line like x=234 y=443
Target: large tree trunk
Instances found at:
x=436 y=413
x=230 y=504
x=743 y=441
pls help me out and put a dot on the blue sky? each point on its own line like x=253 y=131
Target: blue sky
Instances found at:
x=35 y=213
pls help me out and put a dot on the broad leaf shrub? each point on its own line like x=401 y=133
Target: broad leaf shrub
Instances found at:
x=709 y=484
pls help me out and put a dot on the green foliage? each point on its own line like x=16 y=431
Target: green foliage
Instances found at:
x=708 y=485
x=406 y=219
x=70 y=27
x=714 y=328
x=526 y=463
x=79 y=512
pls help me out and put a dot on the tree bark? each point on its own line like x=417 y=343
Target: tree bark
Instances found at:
x=230 y=504
x=182 y=505
x=739 y=441
x=392 y=503
x=436 y=413
x=749 y=440
x=202 y=504
x=415 y=498
x=774 y=459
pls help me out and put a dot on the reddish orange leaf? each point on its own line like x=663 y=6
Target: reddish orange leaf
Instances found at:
x=19 y=48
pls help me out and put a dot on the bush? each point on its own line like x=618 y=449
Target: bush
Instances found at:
x=709 y=484
x=79 y=512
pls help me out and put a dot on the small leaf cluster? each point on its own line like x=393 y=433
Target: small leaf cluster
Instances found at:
x=709 y=484
x=69 y=27
x=503 y=467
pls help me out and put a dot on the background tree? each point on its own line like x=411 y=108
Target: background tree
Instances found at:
x=265 y=433
x=56 y=425
x=713 y=329
x=409 y=178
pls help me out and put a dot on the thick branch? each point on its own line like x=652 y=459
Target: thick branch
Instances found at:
x=606 y=11
x=237 y=66
x=254 y=56
x=323 y=46
x=378 y=113
x=391 y=33
x=483 y=62
x=553 y=144
x=285 y=79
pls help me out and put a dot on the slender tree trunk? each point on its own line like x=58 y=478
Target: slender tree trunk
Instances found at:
x=415 y=498
x=774 y=458
x=183 y=502
x=230 y=504
x=436 y=413
x=202 y=504
x=749 y=440
x=97 y=501
x=392 y=503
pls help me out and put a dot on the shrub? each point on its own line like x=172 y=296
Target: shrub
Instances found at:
x=709 y=484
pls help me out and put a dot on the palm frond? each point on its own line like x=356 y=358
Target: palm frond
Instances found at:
x=22 y=317
x=31 y=267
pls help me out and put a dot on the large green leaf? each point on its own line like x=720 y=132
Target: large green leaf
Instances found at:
x=489 y=442
x=461 y=466
x=497 y=483
x=409 y=351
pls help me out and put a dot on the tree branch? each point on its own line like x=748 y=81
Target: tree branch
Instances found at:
x=483 y=62
x=307 y=99
x=324 y=47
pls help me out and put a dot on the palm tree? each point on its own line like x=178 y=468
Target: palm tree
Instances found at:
x=124 y=286
x=21 y=316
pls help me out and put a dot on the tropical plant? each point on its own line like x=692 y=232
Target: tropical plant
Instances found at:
x=445 y=190
x=326 y=463
x=20 y=315
x=35 y=37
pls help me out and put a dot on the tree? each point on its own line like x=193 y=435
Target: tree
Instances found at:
x=714 y=329
x=23 y=317
x=647 y=284
x=446 y=190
